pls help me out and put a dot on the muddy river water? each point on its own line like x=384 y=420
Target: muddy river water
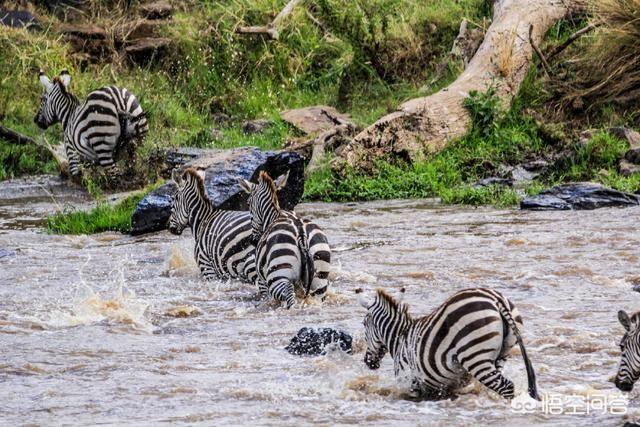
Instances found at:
x=117 y=329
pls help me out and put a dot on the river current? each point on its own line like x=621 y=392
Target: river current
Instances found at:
x=114 y=329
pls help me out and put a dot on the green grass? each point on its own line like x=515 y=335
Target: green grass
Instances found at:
x=103 y=217
x=497 y=138
x=211 y=68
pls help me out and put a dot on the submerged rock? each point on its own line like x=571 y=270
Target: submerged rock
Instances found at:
x=314 y=342
x=581 y=195
x=222 y=169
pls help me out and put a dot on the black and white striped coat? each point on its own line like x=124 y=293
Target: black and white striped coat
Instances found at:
x=95 y=128
x=291 y=253
x=469 y=335
x=223 y=247
x=629 y=369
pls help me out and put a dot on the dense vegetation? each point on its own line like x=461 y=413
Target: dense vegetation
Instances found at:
x=365 y=58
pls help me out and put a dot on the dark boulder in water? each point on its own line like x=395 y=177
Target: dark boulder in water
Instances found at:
x=314 y=342
x=222 y=169
x=579 y=196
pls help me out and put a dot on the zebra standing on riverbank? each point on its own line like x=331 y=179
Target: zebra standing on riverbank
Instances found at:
x=469 y=335
x=223 y=246
x=629 y=369
x=94 y=129
x=289 y=250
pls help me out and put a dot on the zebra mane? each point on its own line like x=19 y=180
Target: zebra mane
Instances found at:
x=391 y=303
x=198 y=180
x=264 y=177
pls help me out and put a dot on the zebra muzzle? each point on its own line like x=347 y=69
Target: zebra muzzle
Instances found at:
x=624 y=385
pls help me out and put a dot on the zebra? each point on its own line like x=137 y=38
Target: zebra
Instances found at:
x=223 y=247
x=290 y=251
x=94 y=129
x=469 y=335
x=629 y=369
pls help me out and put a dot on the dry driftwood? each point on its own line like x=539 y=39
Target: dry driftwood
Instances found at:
x=270 y=29
x=424 y=125
x=573 y=37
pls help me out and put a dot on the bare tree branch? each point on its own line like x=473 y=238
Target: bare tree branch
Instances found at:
x=270 y=29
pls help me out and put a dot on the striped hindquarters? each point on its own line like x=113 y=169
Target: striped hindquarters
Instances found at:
x=284 y=253
x=467 y=334
x=108 y=116
x=225 y=241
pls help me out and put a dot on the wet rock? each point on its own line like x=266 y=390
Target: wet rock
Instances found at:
x=493 y=180
x=312 y=120
x=18 y=19
x=314 y=342
x=148 y=49
x=153 y=211
x=222 y=168
x=252 y=127
x=156 y=10
x=581 y=195
x=627 y=168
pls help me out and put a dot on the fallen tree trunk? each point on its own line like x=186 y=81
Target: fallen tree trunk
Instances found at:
x=425 y=125
x=14 y=136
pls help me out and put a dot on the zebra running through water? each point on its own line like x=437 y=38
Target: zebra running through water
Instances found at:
x=629 y=369
x=223 y=247
x=290 y=251
x=469 y=335
x=109 y=118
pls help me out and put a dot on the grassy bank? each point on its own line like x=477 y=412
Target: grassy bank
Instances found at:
x=373 y=58
x=103 y=217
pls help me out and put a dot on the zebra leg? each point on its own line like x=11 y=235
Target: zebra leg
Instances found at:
x=282 y=289
x=72 y=157
x=490 y=376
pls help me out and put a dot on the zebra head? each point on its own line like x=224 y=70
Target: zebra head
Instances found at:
x=263 y=201
x=384 y=319
x=190 y=190
x=54 y=92
x=629 y=369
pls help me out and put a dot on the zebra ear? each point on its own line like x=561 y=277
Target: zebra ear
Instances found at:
x=623 y=317
x=245 y=185
x=361 y=299
x=65 y=77
x=45 y=80
x=281 y=181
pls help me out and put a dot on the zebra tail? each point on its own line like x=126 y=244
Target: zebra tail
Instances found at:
x=307 y=265
x=531 y=375
x=133 y=127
